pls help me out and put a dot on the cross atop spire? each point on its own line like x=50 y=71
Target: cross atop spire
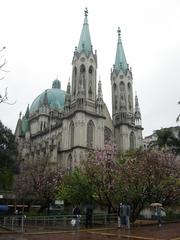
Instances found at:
x=120 y=60
x=86 y=12
x=119 y=33
x=85 y=38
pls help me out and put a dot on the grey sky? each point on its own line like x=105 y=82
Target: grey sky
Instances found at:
x=40 y=36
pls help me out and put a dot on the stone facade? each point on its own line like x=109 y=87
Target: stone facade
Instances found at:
x=65 y=125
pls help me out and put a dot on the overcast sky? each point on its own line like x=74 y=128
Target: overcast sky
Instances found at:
x=40 y=37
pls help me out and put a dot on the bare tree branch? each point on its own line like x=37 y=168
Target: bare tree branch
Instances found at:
x=4 y=97
x=2 y=49
x=178 y=117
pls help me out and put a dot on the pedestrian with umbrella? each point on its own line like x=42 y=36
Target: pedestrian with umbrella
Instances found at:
x=157 y=207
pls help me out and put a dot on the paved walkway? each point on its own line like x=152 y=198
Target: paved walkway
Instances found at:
x=166 y=232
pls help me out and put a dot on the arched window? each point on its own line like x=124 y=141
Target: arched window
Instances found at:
x=122 y=86
x=90 y=83
x=129 y=86
x=90 y=92
x=82 y=75
x=107 y=134
x=129 y=96
x=114 y=88
x=132 y=141
x=90 y=69
x=71 y=135
x=90 y=134
x=115 y=97
x=75 y=79
x=82 y=68
x=41 y=126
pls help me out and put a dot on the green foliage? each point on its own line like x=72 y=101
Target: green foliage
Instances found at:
x=166 y=139
x=75 y=188
x=8 y=157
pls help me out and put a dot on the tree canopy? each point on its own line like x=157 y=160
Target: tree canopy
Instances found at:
x=8 y=157
x=167 y=139
x=150 y=176
x=138 y=178
x=38 y=181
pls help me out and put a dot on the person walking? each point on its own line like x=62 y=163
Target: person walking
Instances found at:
x=158 y=213
x=76 y=215
x=120 y=215
x=128 y=214
x=89 y=213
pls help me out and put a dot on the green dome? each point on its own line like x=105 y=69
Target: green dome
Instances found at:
x=53 y=97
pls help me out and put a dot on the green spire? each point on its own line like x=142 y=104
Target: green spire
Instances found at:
x=85 y=38
x=120 y=61
x=27 y=112
x=45 y=100
x=25 y=121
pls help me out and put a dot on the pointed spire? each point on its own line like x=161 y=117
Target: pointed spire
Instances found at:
x=137 y=109
x=99 y=102
x=137 y=112
x=120 y=61
x=25 y=121
x=27 y=112
x=100 y=95
x=67 y=102
x=68 y=88
x=45 y=100
x=85 y=39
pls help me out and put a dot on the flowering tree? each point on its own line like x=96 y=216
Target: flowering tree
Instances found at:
x=94 y=180
x=39 y=181
x=102 y=169
x=137 y=177
x=149 y=176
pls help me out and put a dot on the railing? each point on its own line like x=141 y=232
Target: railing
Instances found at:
x=61 y=222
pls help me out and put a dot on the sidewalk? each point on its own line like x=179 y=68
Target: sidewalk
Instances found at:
x=169 y=231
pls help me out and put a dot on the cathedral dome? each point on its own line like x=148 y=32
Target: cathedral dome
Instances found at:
x=54 y=98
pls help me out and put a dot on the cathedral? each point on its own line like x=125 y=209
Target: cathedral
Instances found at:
x=64 y=125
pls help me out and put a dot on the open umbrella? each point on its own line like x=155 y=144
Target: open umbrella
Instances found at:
x=156 y=205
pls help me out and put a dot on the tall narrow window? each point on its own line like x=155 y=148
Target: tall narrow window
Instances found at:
x=90 y=83
x=75 y=80
x=82 y=75
x=90 y=134
x=132 y=141
x=107 y=135
x=115 y=97
x=71 y=135
x=122 y=86
x=129 y=96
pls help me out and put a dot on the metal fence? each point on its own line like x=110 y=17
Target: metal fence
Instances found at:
x=60 y=222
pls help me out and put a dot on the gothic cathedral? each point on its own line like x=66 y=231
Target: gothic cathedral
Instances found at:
x=64 y=125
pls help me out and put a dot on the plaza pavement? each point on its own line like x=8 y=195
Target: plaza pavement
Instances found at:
x=170 y=231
